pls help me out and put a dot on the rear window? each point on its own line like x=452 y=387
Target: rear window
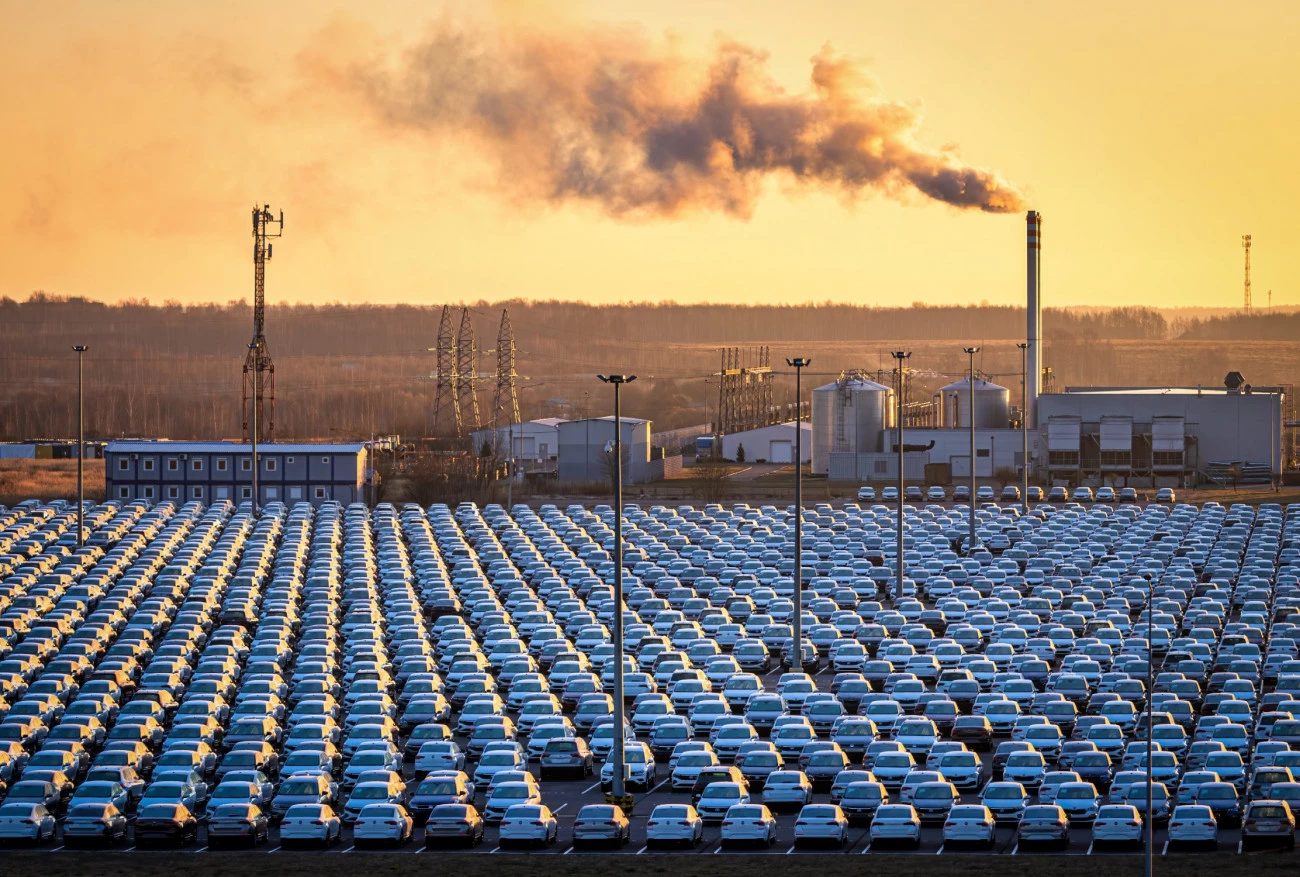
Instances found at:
x=1268 y=812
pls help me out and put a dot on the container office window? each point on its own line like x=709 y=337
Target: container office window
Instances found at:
x=293 y=492
x=148 y=464
x=197 y=465
x=123 y=463
x=325 y=460
x=123 y=492
x=246 y=464
x=272 y=493
x=246 y=492
x=172 y=464
x=320 y=493
x=221 y=493
x=173 y=492
x=288 y=459
x=148 y=492
x=198 y=493
x=221 y=464
x=270 y=464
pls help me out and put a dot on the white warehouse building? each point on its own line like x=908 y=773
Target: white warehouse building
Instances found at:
x=772 y=444
x=582 y=454
x=1160 y=436
x=536 y=443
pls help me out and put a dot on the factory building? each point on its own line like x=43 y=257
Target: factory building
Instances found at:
x=583 y=455
x=1157 y=436
x=536 y=443
x=1126 y=436
x=769 y=444
x=216 y=471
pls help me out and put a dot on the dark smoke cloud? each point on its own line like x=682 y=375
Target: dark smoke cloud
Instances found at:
x=608 y=119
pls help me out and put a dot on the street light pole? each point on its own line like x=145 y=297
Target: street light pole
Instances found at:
x=902 y=356
x=1151 y=659
x=81 y=445
x=1024 y=424
x=971 y=351
x=510 y=470
x=618 y=789
x=798 y=363
x=256 y=347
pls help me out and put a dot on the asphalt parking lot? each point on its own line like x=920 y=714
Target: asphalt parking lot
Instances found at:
x=200 y=600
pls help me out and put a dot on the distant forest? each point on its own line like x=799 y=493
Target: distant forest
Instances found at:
x=347 y=371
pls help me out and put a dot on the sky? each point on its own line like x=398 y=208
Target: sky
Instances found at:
x=463 y=151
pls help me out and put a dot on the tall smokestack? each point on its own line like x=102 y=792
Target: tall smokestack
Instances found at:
x=1034 y=311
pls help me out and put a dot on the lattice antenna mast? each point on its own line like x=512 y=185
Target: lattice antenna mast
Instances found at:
x=259 y=370
x=466 y=376
x=506 y=396
x=1245 y=245
x=446 y=410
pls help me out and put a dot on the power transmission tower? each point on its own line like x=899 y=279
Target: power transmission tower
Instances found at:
x=259 y=370
x=446 y=410
x=506 y=396
x=1245 y=245
x=466 y=377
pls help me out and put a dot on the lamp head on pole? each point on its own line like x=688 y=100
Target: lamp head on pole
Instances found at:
x=971 y=350
x=80 y=348
x=617 y=379
x=799 y=362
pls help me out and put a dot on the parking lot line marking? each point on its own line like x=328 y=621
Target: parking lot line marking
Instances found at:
x=592 y=787
x=789 y=851
x=661 y=784
x=201 y=850
x=566 y=852
x=867 y=848
x=940 y=850
x=561 y=807
x=56 y=849
x=640 y=851
x=129 y=850
x=495 y=850
x=1089 y=853
x=349 y=849
x=1015 y=849
x=276 y=850
x=1239 y=843
x=1165 y=848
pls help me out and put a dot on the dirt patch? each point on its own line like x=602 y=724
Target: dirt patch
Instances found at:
x=48 y=479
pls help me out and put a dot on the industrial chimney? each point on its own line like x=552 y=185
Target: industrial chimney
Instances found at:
x=1034 y=311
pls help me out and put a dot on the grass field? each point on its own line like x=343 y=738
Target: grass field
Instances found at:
x=48 y=479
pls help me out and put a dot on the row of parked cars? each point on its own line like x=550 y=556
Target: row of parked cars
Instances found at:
x=303 y=666
x=1011 y=493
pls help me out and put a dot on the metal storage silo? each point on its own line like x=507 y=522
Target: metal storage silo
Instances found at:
x=992 y=405
x=849 y=416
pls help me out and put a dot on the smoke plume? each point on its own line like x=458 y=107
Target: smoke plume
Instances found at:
x=641 y=131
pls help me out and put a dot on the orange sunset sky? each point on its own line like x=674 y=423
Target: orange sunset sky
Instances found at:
x=139 y=133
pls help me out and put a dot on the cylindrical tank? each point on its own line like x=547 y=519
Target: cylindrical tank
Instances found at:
x=849 y=416
x=992 y=405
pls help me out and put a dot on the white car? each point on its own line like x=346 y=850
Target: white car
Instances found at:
x=821 y=823
x=639 y=770
x=528 y=824
x=1118 y=824
x=688 y=769
x=866 y=494
x=20 y=820
x=749 y=824
x=970 y=823
x=896 y=823
x=310 y=823
x=674 y=824
x=718 y=798
x=1193 y=825
x=383 y=823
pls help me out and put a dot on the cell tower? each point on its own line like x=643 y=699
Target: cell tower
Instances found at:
x=506 y=397
x=259 y=370
x=1245 y=245
x=446 y=410
x=466 y=377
